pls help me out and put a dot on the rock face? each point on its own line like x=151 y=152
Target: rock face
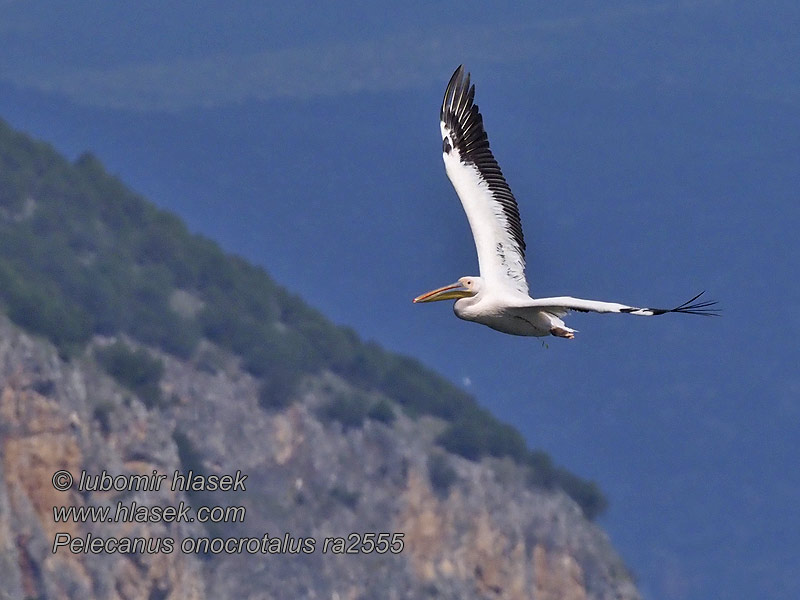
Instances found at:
x=314 y=488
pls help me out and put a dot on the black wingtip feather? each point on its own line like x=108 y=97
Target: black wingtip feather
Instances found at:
x=692 y=307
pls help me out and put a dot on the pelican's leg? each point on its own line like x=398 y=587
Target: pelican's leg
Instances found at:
x=564 y=332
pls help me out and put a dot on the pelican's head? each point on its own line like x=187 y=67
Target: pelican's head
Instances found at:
x=465 y=287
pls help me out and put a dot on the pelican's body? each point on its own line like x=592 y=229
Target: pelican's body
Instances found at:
x=509 y=312
x=499 y=297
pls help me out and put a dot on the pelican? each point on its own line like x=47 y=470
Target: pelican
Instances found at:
x=499 y=297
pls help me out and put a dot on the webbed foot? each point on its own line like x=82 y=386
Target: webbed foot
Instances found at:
x=562 y=332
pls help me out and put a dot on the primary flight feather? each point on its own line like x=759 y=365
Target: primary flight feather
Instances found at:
x=499 y=297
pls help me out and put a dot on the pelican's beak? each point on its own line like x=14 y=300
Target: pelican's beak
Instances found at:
x=448 y=292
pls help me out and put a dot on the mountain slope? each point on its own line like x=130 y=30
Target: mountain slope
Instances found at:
x=81 y=255
x=155 y=352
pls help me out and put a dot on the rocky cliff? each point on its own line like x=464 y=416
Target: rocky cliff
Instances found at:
x=467 y=529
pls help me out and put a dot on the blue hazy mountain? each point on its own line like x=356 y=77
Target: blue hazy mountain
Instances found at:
x=653 y=149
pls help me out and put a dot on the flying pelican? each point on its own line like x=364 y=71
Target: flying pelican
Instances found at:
x=499 y=297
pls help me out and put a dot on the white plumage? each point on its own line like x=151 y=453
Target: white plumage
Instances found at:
x=499 y=297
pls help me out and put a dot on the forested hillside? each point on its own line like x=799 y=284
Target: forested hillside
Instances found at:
x=82 y=256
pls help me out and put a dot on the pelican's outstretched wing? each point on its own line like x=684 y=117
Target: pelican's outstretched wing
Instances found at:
x=490 y=206
x=563 y=304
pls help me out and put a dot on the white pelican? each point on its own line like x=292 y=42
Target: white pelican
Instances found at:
x=499 y=297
